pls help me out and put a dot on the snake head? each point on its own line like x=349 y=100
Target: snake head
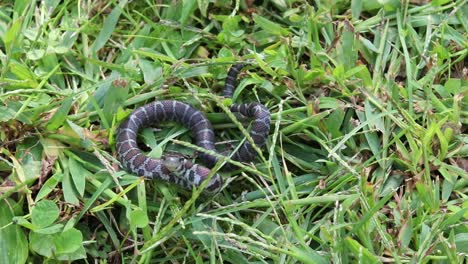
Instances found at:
x=173 y=163
x=189 y=175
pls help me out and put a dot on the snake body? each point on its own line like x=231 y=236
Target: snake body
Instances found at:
x=175 y=168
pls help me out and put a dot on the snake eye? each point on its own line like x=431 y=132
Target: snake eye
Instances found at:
x=172 y=163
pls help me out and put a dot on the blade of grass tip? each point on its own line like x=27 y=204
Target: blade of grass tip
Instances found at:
x=275 y=136
x=370 y=213
x=269 y=195
x=111 y=194
x=427 y=40
x=365 y=256
x=155 y=55
x=101 y=115
x=108 y=27
x=265 y=190
x=109 y=168
x=172 y=136
x=23 y=106
x=72 y=154
x=141 y=194
x=144 y=97
x=59 y=117
x=343 y=163
x=15 y=189
x=356 y=8
x=265 y=216
x=263 y=65
x=426 y=245
x=108 y=226
x=168 y=50
x=323 y=199
x=277 y=181
x=301 y=124
x=160 y=215
x=290 y=111
x=409 y=72
x=377 y=78
x=461 y=16
x=246 y=205
x=376 y=102
x=191 y=250
x=289 y=180
x=353 y=132
x=96 y=194
x=116 y=197
x=313 y=35
x=69 y=191
x=19 y=169
x=10 y=38
x=237 y=222
x=236 y=9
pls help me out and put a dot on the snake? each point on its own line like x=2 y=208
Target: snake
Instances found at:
x=175 y=168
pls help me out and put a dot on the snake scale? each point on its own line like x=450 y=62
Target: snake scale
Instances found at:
x=176 y=168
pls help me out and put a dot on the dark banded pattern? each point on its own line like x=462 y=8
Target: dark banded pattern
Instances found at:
x=175 y=168
x=230 y=82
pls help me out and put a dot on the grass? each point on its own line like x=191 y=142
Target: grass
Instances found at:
x=366 y=160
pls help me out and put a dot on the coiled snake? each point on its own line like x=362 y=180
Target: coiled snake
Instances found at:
x=175 y=168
